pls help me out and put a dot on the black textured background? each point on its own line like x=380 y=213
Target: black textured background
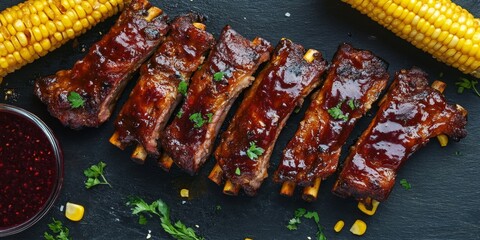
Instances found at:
x=444 y=202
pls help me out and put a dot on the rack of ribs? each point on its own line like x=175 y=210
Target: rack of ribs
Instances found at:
x=411 y=113
x=100 y=77
x=163 y=80
x=188 y=140
x=354 y=81
x=246 y=146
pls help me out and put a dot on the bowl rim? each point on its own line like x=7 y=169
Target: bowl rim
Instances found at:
x=59 y=166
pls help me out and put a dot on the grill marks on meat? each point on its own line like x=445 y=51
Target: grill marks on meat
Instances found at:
x=280 y=87
x=355 y=77
x=189 y=144
x=103 y=73
x=156 y=94
x=408 y=117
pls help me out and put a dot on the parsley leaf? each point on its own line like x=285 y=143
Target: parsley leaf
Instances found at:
x=336 y=112
x=158 y=208
x=60 y=232
x=218 y=76
x=405 y=184
x=237 y=171
x=467 y=84
x=352 y=104
x=93 y=173
x=301 y=212
x=179 y=113
x=254 y=152
x=197 y=119
x=183 y=87
x=75 y=100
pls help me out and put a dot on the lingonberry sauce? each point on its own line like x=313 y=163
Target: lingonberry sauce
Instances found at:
x=28 y=169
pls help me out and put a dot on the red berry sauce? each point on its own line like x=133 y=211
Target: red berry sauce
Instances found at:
x=28 y=169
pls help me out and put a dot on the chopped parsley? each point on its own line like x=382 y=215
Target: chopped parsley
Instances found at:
x=218 y=76
x=352 y=104
x=254 y=152
x=237 y=171
x=301 y=212
x=61 y=232
x=467 y=84
x=179 y=113
x=95 y=175
x=75 y=100
x=158 y=208
x=183 y=87
x=336 y=112
x=199 y=120
x=405 y=184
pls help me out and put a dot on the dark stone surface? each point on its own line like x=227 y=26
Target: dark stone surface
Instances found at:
x=442 y=204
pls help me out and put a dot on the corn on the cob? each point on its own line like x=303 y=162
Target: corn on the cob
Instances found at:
x=440 y=27
x=31 y=29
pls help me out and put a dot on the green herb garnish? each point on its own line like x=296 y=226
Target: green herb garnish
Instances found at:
x=209 y=117
x=336 y=112
x=197 y=119
x=218 y=76
x=61 y=232
x=351 y=104
x=467 y=84
x=93 y=173
x=179 y=113
x=237 y=171
x=183 y=87
x=301 y=212
x=75 y=100
x=405 y=184
x=158 y=208
x=253 y=151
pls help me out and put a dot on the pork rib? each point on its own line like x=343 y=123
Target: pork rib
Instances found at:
x=411 y=113
x=189 y=139
x=156 y=94
x=279 y=88
x=355 y=80
x=103 y=73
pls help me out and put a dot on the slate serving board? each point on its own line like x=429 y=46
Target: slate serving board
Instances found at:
x=442 y=204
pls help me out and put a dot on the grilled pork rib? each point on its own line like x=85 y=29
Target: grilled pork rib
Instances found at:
x=411 y=113
x=355 y=80
x=103 y=73
x=279 y=88
x=188 y=140
x=156 y=94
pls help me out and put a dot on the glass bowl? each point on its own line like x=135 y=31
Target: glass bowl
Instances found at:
x=31 y=169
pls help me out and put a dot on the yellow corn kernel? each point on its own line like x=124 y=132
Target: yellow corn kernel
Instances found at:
x=426 y=23
x=74 y=211
x=184 y=193
x=443 y=140
x=364 y=209
x=339 y=226
x=359 y=227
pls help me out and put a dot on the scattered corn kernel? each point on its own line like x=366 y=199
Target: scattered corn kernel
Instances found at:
x=248 y=238
x=339 y=226
x=364 y=209
x=359 y=227
x=74 y=211
x=184 y=193
x=443 y=140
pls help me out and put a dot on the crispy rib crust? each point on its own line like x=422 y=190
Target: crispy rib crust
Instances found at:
x=279 y=88
x=102 y=74
x=156 y=95
x=238 y=58
x=410 y=115
x=354 y=75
